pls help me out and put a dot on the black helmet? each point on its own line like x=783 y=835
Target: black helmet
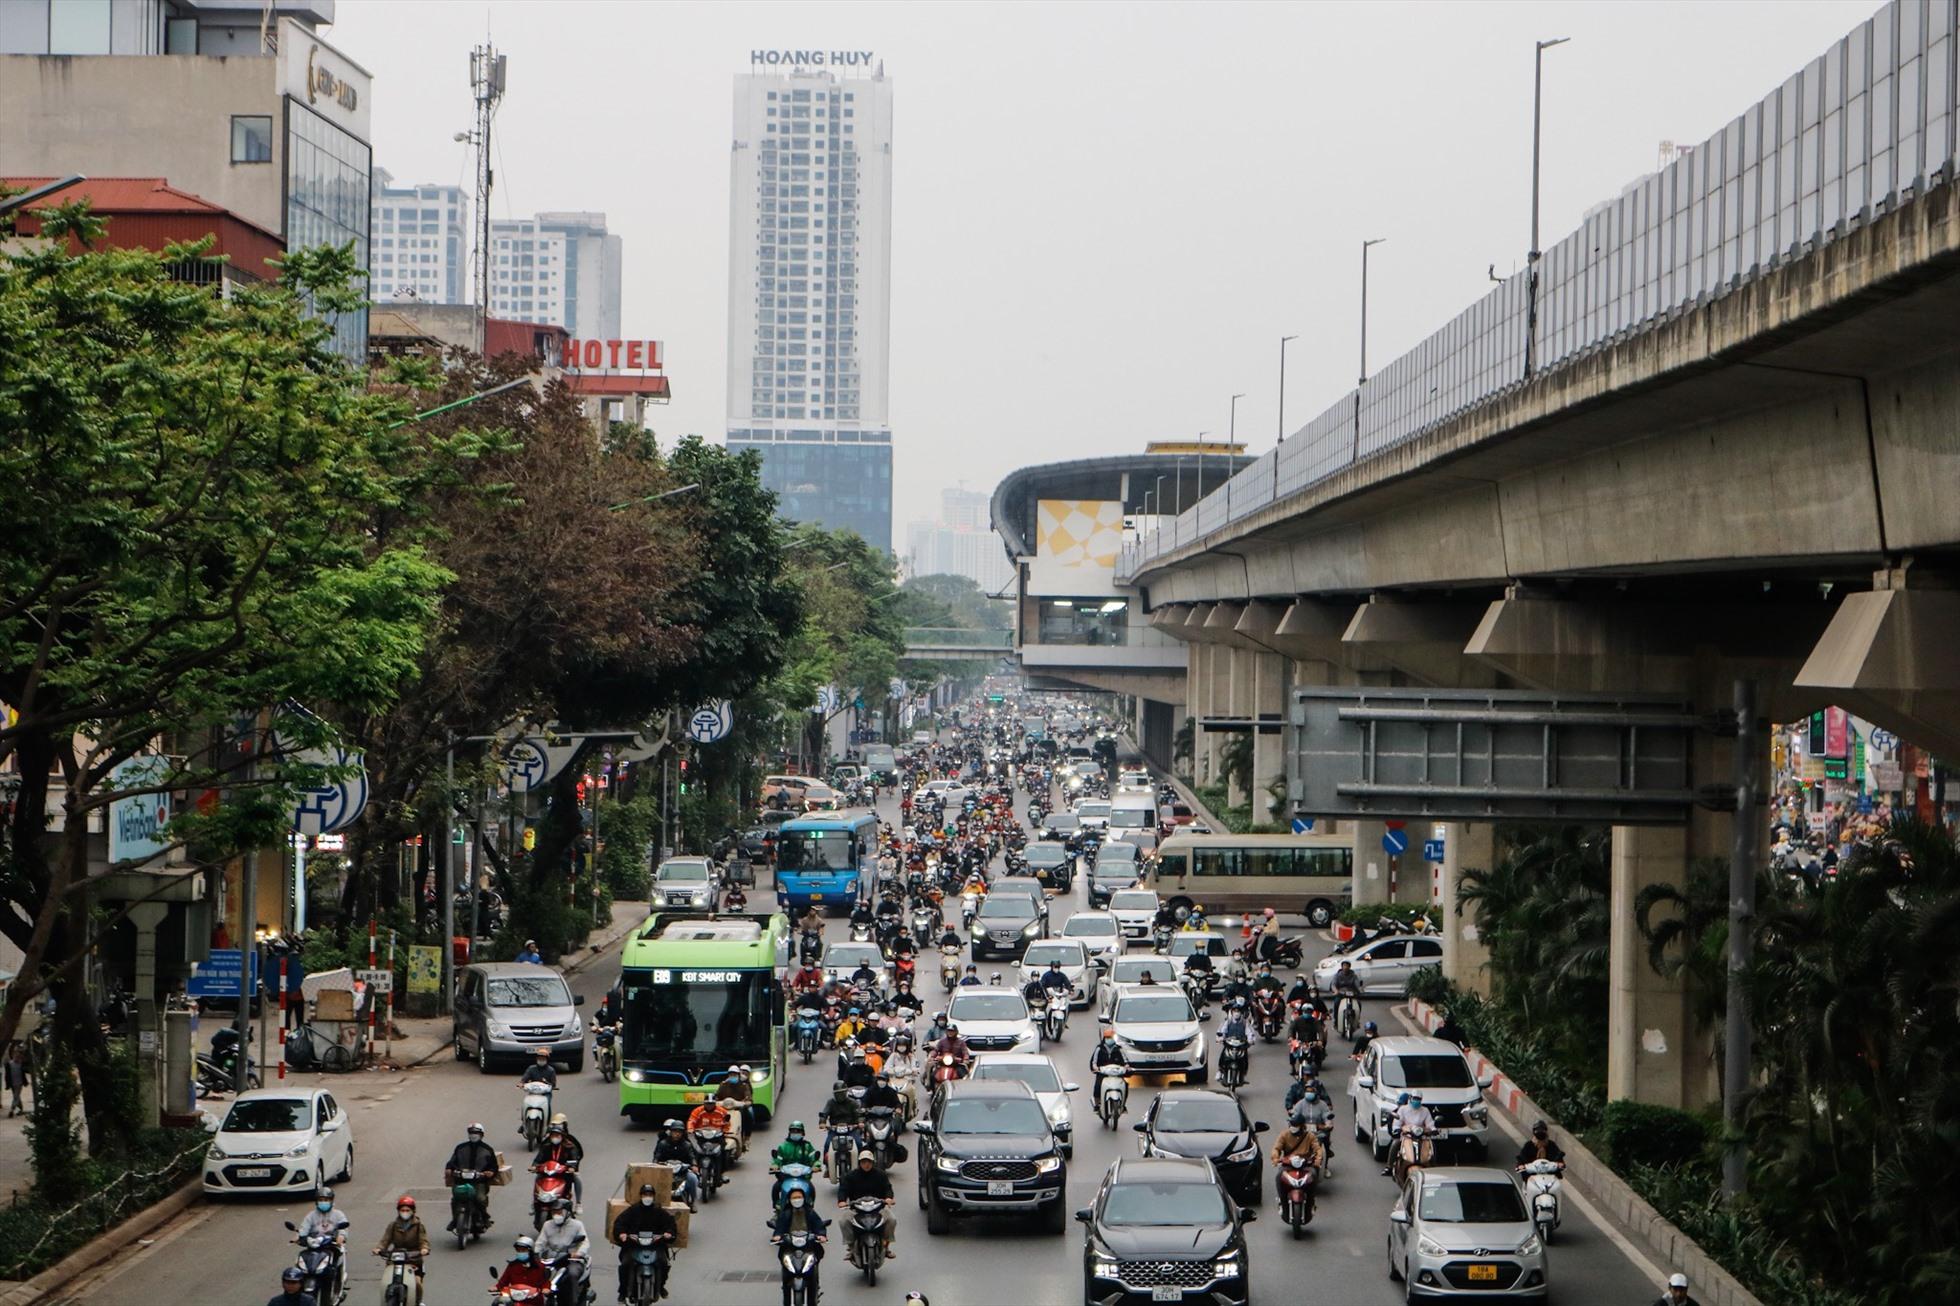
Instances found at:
x=292 y=1274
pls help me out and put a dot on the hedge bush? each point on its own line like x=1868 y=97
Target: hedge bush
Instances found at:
x=38 y=1231
x=1370 y=914
x=1636 y=1133
x=1735 y=1235
x=1577 y=1102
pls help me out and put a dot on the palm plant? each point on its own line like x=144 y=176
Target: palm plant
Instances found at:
x=1691 y=937
x=1184 y=743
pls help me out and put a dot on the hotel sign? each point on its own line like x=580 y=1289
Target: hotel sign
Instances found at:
x=614 y=356
x=811 y=58
x=314 y=74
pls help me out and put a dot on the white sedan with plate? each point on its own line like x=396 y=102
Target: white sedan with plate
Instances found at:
x=280 y=1140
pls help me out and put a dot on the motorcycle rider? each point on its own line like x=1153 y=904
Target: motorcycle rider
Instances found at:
x=907 y=1003
x=1305 y=1027
x=529 y=953
x=795 y=1149
x=292 y=1289
x=606 y=1017
x=1411 y=1114
x=644 y=1216
x=563 y=1238
x=1107 y=1055
x=806 y=979
x=1367 y=1035
x=406 y=1234
x=854 y=1070
x=1347 y=984
x=881 y=1093
x=473 y=1154
x=325 y=1218
x=865 y=979
x=1677 y=1292
x=797 y=1216
x=902 y=1066
x=559 y=1147
x=1451 y=1032
x=1056 y=983
x=1265 y=981
x=972 y=977
x=673 y=1148
x=1297 y=1139
x=541 y=1071
x=867 y=1180
x=1268 y=930
x=712 y=1114
x=1540 y=1147
x=1302 y=989
x=523 y=1270
x=950 y=939
x=1308 y=1085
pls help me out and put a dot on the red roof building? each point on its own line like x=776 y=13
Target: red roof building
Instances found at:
x=150 y=213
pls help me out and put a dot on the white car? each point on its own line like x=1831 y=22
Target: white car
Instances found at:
x=1131 y=970
x=1040 y=1075
x=1135 y=911
x=1384 y=965
x=280 y=1140
x=1138 y=780
x=841 y=960
x=1084 y=979
x=684 y=882
x=1099 y=933
x=1435 y=1070
x=993 y=1020
x=1159 y=1032
x=1094 y=813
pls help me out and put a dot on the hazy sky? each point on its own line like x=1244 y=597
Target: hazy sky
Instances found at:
x=1105 y=215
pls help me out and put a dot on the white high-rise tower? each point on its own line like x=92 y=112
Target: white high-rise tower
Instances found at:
x=809 y=284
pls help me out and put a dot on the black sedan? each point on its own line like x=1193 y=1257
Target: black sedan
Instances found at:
x=1196 y=1122
x=1163 y=1230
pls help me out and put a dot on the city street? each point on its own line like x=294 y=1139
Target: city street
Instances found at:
x=406 y=1123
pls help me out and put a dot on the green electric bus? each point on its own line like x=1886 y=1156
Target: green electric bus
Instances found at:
x=699 y=993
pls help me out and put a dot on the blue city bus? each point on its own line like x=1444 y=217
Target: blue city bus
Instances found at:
x=826 y=858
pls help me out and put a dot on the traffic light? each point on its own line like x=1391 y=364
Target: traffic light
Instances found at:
x=1816 y=748
x=683 y=775
x=581 y=789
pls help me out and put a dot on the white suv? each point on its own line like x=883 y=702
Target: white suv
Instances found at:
x=1436 y=1070
x=993 y=1020
x=1159 y=1032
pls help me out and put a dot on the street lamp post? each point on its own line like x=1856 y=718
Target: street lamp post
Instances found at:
x=1282 y=387
x=1366 y=245
x=1537 y=130
x=1201 y=469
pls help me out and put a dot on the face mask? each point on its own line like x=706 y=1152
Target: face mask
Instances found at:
x=646 y=1201
x=404 y=1217
x=523 y=1256
x=323 y=1206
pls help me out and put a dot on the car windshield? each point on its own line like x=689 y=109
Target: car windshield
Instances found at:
x=1492 y=1202
x=987 y=1006
x=1165 y=1204
x=1082 y=926
x=1065 y=821
x=1183 y=945
x=846 y=956
x=1046 y=854
x=1040 y=954
x=1037 y=1075
x=1169 y=1006
x=682 y=871
x=1131 y=970
x=268 y=1115
x=1012 y=906
x=816 y=850
x=1004 y=1115
x=1133 y=900
x=1404 y=1071
x=1200 y=1115
x=1118 y=851
x=1092 y=809
x=529 y=991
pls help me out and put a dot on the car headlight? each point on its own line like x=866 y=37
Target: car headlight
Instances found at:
x=1031 y=927
x=758 y=1076
x=301 y=1150
x=1245 y=1153
x=660 y=897
x=633 y=1077
x=215 y=1154
x=1047 y=1164
x=949 y=1164
x=578 y=1024
x=1226 y=1266
x=1478 y=1113
x=1530 y=1246
x=1104 y=1266
x=1429 y=1246
x=496 y=1027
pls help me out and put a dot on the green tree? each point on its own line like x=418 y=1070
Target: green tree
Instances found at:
x=186 y=487
x=965 y=603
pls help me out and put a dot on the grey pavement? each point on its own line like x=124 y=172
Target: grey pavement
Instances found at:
x=407 y=1121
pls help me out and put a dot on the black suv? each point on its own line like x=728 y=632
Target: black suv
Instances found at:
x=1163 y=1230
x=987 y=1147
x=1197 y=1122
x=1004 y=926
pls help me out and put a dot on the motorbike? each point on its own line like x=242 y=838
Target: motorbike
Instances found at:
x=797 y=1255
x=309 y=1049
x=1386 y=927
x=605 y=1052
x=925 y=926
x=969 y=908
x=1543 y=1180
x=1314 y=1054
x=400 y=1284
x=571 y=1281
x=468 y=1203
x=1112 y=1095
x=646 y=1267
x=809 y=946
x=881 y=1135
x=711 y=1157
x=1412 y=1150
x=1296 y=1192
x=807 y=1033
x=947 y=1068
x=1286 y=952
x=868 y=1236
x=323 y=1263
x=1196 y=990
x=904 y=967
x=1160 y=936
x=553 y=1182
x=789 y=1176
x=1234 y=1055
x=949 y=967
x=535 y=1113
x=860 y=932
x=840 y=1149
x=1268 y=1014
x=1347 y=1015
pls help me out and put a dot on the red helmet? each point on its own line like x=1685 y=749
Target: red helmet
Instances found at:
x=405 y=1200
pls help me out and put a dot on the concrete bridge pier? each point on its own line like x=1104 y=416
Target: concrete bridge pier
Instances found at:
x=1466 y=954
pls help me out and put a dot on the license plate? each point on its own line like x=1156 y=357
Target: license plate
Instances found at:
x=1167 y=1292
x=700 y=1096
x=255 y=1172
x=1000 y=1188
x=1483 y=1273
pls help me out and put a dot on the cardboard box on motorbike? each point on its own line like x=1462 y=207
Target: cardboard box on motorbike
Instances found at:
x=616 y=1207
x=650 y=1172
x=502 y=1176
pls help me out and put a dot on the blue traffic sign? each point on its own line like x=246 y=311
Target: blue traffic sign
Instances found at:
x=1432 y=850
x=217 y=975
x=1303 y=825
x=1395 y=842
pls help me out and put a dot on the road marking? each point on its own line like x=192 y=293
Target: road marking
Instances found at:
x=1515 y=1130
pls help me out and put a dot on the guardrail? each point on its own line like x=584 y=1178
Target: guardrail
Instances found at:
x=1856 y=132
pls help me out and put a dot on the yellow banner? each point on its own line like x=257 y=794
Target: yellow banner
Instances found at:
x=424 y=969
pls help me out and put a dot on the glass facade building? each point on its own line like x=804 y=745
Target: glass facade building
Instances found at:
x=327 y=180
x=847 y=484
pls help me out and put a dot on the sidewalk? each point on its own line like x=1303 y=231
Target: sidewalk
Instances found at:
x=418 y=1040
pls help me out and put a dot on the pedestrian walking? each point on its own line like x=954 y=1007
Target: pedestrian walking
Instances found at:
x=15 y=1073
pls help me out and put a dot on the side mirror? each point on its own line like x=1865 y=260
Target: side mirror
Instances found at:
x=1084 y=1214
x=578 y=999
x=1141 y=1127
x=1486 y=1079
x=493 y=1272
x=292 y=1226
x=1204 y=1017
x=1071 y=1088
x=1260 y=1126
x=1364 y=1081
x=1247 y=1215
x=922 y=1127
x=1398 y=1216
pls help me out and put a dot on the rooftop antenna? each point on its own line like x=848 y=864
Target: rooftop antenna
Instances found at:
x=487 y=78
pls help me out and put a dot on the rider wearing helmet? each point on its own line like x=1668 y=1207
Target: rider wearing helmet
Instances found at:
x=325 y=1218
x=523 y=1269
x=646 y=1215
x=1367 y=1035
x=674 y=1149
x=405 y=1234
x=1108 y=1054
x=562 y=1238
x=292 y=1289
x=473 y=1154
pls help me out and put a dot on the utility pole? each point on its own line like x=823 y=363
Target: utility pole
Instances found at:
x=1531 y=261
x=447 y=884
x=487 y=76
x=1282 y=387
x=1736 y=1032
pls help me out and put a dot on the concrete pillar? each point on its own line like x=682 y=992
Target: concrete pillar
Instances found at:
x=1466 y=956
x=146 y=916
x=1370 y=862
x=1269 y=747
x=1238 y=698
x=1648 y=1037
